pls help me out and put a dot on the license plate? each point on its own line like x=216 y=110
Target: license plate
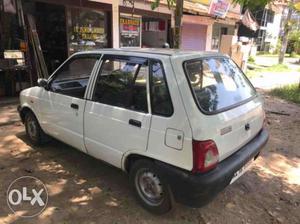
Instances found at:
x=241 y=171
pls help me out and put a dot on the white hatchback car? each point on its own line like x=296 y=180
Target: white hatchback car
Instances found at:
x=184 y=125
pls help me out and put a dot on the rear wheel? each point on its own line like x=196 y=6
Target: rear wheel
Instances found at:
x=150 y=188
x=33 y=130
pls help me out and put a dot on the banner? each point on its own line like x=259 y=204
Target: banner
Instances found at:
x=204 y=2
x=219 y=8
x=9 y=6
x=249 y=21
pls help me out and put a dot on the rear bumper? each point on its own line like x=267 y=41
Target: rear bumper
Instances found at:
x=196 y=190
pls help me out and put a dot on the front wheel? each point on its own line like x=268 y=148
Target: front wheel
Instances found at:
x=33 y=130
x=150 y=188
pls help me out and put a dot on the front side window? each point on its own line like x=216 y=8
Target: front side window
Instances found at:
x=72 y=78
x=122 y=82
x=160 y=97
x=217 y=83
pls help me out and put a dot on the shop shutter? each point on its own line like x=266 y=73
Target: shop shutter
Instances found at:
x=193 y=37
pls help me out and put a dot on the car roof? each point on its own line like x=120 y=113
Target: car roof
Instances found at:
x=176 y=53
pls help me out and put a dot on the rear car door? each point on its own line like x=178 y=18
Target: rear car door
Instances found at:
x=62 y=106
x=117 y=118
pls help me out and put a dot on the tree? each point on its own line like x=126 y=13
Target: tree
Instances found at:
x=177 y=18
x=294 y=41
x=286 y=30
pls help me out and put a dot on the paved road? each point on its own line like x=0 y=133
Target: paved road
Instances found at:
x=272 y=80
x=269 y=61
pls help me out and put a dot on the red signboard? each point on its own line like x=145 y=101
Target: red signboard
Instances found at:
x=219 y=8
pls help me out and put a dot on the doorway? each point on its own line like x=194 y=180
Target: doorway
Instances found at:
x=50 y=22
x=51 y=27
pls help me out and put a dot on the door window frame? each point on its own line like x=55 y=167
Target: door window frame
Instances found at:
x=98 y=73
x=70 y=59
x=152 y=61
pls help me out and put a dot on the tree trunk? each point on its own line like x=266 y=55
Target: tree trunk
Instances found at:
x=284 y=40
x=177 y=29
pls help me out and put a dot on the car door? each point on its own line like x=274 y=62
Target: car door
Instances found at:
x=62 y=105
x=117 y=117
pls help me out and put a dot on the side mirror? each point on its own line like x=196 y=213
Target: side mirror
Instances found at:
x=43 y=83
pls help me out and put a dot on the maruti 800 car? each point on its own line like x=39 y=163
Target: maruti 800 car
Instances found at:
x=183 y=125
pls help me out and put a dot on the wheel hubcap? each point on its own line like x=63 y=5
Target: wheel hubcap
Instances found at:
x=31 y=128
x=149 y=187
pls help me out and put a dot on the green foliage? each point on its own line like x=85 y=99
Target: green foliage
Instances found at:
x=274 y=68
x=290 y=93
x=277 y=68
x=251 y=4
x=251 y=59
x=294 y=41
x=293 y=54
x=278 y=46
x=155 y=4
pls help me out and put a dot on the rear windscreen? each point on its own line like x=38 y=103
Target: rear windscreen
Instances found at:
x=217 y=83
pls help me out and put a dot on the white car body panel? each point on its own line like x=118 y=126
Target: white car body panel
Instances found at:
x=61 y=121
x=206 y=127
x=108 y=135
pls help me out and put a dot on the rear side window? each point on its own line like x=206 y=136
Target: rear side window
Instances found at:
x=122 y=82
x=160 y=97
x=217 y=83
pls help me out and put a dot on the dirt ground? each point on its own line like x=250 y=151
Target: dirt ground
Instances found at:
x=85 y=190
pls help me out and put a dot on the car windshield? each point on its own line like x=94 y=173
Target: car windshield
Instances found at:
x=217 y=83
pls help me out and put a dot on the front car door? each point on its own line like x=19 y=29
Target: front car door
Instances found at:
x=117 y=118
x=62 y=106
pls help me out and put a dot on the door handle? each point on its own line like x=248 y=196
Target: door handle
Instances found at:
x=135 y=123
x=74 y=106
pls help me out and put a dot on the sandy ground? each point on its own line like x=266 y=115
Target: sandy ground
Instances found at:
x=85 y=190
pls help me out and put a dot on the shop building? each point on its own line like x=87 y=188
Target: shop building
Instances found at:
x=67 y=26
x=270 y=22
x=143 y=27
x=204 y=24
x=64 y=27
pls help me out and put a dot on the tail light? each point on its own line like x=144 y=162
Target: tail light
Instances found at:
x=205 y=156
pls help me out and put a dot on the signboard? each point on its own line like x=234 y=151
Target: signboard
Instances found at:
x=204 y=2
x=130 y=31
x=129 y=26
x=86 y=29
x=219 y=8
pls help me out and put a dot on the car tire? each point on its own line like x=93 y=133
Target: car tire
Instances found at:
x=150 y=188
x=34 y=131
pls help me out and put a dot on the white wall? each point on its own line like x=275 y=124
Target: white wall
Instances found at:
x=273 y=30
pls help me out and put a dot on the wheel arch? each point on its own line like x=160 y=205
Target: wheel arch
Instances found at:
x=24 y=110
x=129 y=159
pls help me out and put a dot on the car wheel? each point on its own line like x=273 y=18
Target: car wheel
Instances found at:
x=33 y=130
x=150 y=189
